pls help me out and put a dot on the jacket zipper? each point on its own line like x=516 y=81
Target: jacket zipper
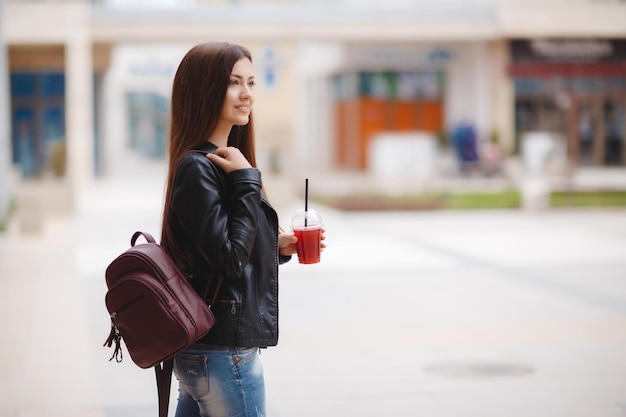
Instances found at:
x=233 y=305
x=274 y=235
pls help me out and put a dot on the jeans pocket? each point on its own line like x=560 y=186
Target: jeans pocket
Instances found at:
x=192 y=372
x=244 y=356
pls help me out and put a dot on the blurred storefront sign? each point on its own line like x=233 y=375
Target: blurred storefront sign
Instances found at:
x=400 y=56
x=567 y=57
x=270 y=63
x=151 y=68
x=568 y=50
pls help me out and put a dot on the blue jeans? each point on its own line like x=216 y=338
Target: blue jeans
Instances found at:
x=216 y=381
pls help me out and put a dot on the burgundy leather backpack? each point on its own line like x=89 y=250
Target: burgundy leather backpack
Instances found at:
x=154 y=310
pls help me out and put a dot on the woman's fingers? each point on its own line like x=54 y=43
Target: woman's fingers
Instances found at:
x=229 y=159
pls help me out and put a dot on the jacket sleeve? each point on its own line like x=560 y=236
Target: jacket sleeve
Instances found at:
x=220 y=217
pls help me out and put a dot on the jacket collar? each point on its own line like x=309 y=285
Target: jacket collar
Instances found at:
x=206 y=146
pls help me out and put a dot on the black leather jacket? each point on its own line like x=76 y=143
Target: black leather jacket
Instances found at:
x=227 y=226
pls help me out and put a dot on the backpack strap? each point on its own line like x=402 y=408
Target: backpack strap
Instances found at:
x=146 y=235
x=164 y=382
x=163 y=370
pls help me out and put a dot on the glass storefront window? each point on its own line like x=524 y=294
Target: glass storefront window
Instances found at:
x=52 y=84
x=528 y=87
x=147 y=125
x=38 y=109
x=22 y=84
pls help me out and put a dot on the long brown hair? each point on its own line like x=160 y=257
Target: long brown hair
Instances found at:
x=198 y=95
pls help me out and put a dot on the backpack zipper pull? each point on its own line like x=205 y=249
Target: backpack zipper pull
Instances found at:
x=114 y=336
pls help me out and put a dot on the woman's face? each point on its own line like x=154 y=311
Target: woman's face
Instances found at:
x=239 y=94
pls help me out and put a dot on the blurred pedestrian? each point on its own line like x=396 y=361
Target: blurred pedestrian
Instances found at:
x=466 y=146
x=217 y=222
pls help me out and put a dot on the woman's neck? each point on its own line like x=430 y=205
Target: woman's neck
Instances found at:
x=219 y=137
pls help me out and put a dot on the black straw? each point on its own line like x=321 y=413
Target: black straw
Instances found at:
x=306 y=200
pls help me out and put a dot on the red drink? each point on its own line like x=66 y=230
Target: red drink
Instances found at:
x=309 y=245
x=307 y=227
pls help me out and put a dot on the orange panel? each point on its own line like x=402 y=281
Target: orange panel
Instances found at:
x=348 y=138
x=433 y=116
x=417 y=108
x=374 y=116
x=341 y=111
x=373 y=121
x=403 y=116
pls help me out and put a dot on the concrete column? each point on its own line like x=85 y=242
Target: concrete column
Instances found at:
x=5 y=130
x=79 y=107
x=314 y=64
x=503 y=96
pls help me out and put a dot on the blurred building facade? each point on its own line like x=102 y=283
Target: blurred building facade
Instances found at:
x=90 y=80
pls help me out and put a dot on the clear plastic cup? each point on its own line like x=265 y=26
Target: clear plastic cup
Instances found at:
x=307 y=227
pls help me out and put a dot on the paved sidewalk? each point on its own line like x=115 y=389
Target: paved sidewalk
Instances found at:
x=446 y=314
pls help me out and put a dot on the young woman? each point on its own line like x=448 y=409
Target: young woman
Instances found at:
x=218 y=223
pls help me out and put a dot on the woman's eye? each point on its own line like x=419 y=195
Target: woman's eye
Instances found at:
x=236 y=82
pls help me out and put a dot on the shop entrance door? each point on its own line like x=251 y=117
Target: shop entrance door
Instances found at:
x=599 y=131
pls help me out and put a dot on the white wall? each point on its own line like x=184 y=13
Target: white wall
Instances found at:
x=5 y=131
x=468 y=88
x=314 y=133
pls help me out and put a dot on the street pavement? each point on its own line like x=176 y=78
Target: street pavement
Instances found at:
x=439 y=314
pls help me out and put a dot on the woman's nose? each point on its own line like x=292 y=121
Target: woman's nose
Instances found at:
x=246 y=91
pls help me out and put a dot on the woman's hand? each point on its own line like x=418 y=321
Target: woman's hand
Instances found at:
x=229 y=159
x=323 y=236
x=287 y=242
